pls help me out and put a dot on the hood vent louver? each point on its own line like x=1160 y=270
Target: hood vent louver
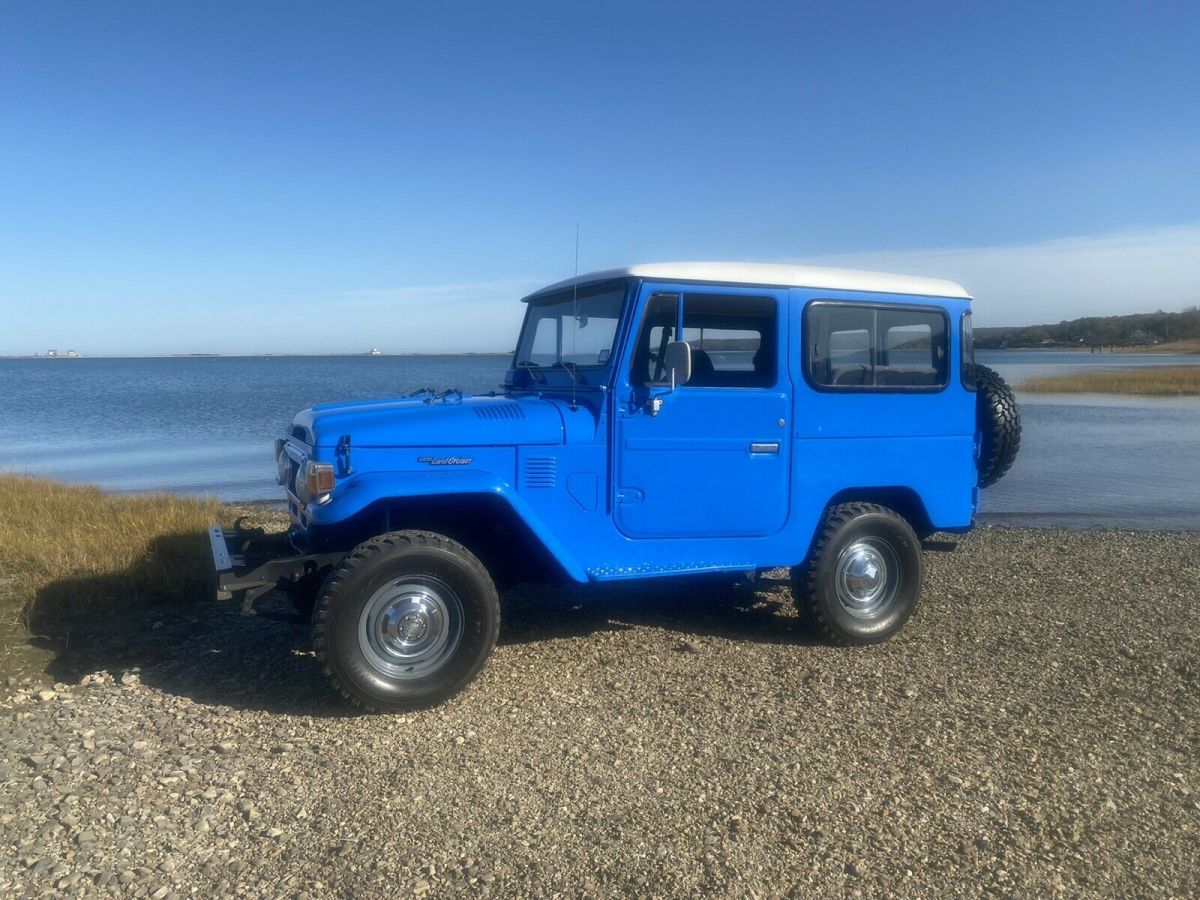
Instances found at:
x=497 y=411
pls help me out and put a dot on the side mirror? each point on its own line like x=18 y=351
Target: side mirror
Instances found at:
x=678 y=360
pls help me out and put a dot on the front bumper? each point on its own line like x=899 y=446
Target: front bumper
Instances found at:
x=251 y=563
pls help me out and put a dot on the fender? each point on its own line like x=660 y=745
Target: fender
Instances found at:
x=359 y=491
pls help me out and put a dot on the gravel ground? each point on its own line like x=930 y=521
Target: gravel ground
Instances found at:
x=1032 y=732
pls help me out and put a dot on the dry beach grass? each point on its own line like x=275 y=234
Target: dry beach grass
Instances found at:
x=1033 y=731
x=52 y=532
x=1150 y=380
x=71 y=556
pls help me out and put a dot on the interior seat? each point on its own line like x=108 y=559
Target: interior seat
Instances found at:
x=849 y=375
x=703 y=369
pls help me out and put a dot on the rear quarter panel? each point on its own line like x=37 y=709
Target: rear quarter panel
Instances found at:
x=851 y=439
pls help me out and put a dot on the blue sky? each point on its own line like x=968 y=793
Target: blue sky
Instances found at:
x=329 y=177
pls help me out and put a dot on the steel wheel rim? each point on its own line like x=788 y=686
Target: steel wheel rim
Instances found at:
x=867 y=577
x=410 y=626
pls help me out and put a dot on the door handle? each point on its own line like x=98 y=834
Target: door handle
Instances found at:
x=765 y=447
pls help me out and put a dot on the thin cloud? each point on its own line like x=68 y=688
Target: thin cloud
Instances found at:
x=473 y=317
x=1048 y=281
x=472 y=291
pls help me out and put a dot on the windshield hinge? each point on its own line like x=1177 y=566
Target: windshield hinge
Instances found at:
x=341 y=453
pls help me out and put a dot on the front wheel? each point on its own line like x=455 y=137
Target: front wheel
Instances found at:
x=408 y=619
x=861 y=582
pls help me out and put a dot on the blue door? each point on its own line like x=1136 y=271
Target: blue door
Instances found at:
x=712 y=460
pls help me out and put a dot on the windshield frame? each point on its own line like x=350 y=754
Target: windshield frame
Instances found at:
x=531 y=376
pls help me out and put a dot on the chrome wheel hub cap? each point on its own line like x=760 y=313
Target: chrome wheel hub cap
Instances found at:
x=410 y=626
x=866 y=577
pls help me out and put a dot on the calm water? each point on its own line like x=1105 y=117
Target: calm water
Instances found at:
x=196 y=425
x=1098 y=460
x=205 y=425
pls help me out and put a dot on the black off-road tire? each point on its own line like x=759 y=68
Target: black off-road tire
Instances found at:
x=999 y=423
x=304 y=592
x=376 y=600
x=303 y=602
x=852 y=537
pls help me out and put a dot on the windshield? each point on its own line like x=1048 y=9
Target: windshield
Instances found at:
x=570 y=338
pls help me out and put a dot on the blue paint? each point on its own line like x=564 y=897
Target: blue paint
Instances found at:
x=720 y=477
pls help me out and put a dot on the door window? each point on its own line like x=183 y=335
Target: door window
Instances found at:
x=732 y=339
x=659 y=324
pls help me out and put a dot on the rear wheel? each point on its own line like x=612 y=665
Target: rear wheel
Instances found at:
x=406 y=620
x=862 y=580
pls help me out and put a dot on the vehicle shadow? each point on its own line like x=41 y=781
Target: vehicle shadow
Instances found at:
x=699 y=606
x=158 y=619
x=179 y=640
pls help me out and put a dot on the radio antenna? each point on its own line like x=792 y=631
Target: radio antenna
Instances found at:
x=575 y=323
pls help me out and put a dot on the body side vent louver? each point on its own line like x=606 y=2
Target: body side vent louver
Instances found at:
x=541 y=472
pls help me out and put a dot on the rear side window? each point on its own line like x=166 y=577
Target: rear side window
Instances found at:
x=968 y=354
x=863 y=347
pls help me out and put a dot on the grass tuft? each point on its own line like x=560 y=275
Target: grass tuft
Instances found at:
x=1153 y=380
x=69 y=552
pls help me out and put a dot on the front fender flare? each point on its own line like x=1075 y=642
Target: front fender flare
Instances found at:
x=356 y=493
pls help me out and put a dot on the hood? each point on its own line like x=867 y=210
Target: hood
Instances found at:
x=450 y=422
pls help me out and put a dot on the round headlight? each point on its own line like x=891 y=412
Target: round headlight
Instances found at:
x=301 y=486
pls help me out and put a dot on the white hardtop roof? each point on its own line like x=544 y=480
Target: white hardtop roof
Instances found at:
x=774 y=275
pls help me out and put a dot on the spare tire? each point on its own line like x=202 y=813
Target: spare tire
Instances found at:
x=999 y=423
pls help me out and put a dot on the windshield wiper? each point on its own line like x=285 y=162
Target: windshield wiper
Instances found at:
x=532 y=369
x=569 y=367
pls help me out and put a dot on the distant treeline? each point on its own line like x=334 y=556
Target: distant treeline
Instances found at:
x=1140 y=329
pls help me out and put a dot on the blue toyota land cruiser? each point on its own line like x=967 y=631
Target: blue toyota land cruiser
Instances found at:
x=657 y=420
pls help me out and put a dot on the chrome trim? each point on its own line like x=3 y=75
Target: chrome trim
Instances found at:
x=220 y=551
x=867 y=577
x=411 y=627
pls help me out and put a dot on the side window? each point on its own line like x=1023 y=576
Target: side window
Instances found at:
x=860 y=346
x=840 y=338
x=658 y=329
x=912 y=348
x=732 y=339
x=968 y=354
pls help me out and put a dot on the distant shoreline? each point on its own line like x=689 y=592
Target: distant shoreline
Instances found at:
x=1171 y=348
x=269 y=356
x=1175 y=348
